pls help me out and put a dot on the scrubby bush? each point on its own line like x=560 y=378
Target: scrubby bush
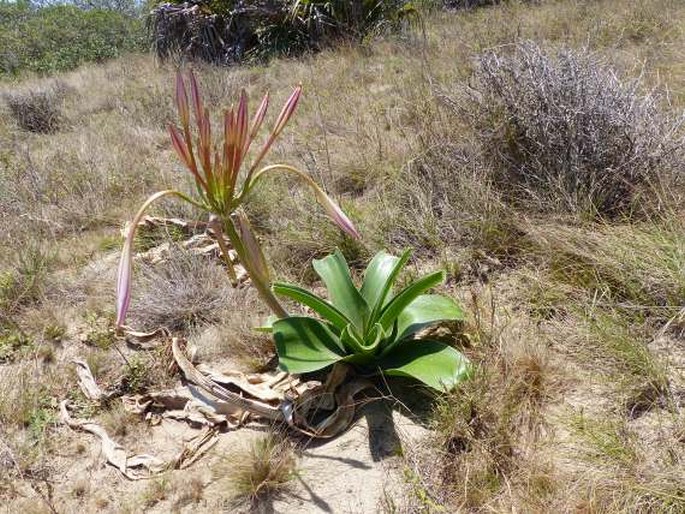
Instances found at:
x=61 y=37
x=37 y=111
x=225 y=32
x=566 y=132
x=182 y=291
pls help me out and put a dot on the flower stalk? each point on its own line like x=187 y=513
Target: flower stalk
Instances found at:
x=216 y=169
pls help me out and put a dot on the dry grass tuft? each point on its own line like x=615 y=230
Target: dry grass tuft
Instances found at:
x=619 y=477
x=263 y=472
x=182 y=291
x=444 y=199
x=27 y=401
x=156 y=491
x=189 y=492
x=638 y=265
x=118 y=421
x=235 y=337
x=615 y=347
x=489 y=428
x=24 y=281
x=30 y=434
x=38 y=111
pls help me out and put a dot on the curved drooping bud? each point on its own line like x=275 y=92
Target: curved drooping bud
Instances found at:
x=335 y=213
x=332 y=209
x=125 y=263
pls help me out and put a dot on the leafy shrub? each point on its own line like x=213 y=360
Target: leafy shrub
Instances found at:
x=61 y=37
x=567 y=133
x=37 y=111
x=225 y=32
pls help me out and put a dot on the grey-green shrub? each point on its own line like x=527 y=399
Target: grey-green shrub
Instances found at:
x=564 y=132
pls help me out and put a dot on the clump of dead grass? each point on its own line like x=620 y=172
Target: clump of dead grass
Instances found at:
x=618 y=476
x=118 y=421
x=29 y=420
x=26 y=400
x=614 y=346
x=182 y=291
x=189 y=492
x=636 y=265
x=38 y=110
x=235 y=337
x=262 y=472
x=24 y=281
x=488 y=429
x=443 y=199
x=156 y=491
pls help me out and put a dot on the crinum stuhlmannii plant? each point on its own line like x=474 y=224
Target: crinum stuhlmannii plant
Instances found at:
x=371 y=328
x=223 y=184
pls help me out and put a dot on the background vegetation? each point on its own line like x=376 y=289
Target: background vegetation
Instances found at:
x=60 y=37
x=456 y=141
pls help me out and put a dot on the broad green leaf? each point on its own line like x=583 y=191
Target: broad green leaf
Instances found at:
x=305 y=344
x=314 y=302
x=344 y=295
x=379 y=278
x=400 y=302
x=433 y=363
x=425 y=310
